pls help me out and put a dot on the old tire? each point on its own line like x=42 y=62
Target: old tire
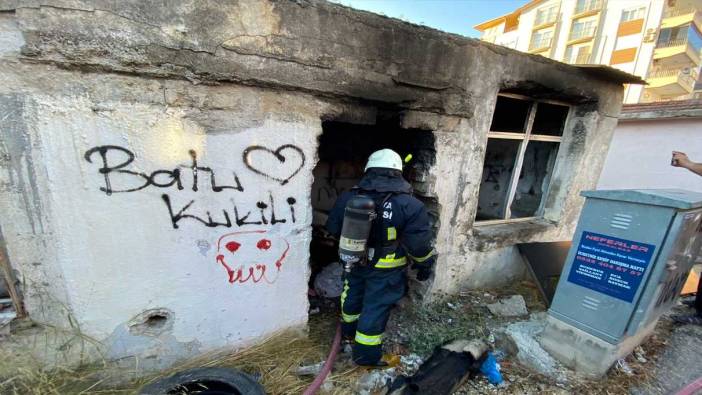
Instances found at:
x=206 y=381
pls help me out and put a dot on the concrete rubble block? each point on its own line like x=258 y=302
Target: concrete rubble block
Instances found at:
x=524 y=335
x=374 y=380
x=513 y=306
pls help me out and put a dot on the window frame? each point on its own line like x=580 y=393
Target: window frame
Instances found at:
x=583 y=27
x=633 y=12
x=548 y=13
x=574 y=55
x=587 y=6
x=537 y=36
x=525 y=138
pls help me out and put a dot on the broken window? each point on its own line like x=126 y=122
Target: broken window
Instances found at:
x=520 y=156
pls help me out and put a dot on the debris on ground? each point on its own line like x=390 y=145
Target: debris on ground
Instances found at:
x=624 y=367
x=327 y=386
x=640 y=354
x=310 y=370
x=313 y=311
x=445 y=370
x=491 y=370
x=409 y=364
x=374 y=380
x=678 y=364
x=413 y=333
x=328 y=283
x=514 y=306
x=524 y=334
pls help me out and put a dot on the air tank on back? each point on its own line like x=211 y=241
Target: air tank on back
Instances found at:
x=358 y=221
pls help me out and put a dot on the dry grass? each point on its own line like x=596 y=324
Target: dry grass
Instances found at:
x=276 y=359
x=273 y=360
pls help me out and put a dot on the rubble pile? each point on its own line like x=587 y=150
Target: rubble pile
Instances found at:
x=511 y=324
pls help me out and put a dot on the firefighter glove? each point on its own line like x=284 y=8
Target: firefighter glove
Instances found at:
x=423 y=273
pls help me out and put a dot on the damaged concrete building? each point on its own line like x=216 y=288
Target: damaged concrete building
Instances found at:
x=167 y=167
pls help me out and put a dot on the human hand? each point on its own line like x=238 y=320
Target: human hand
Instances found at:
x=680 y=159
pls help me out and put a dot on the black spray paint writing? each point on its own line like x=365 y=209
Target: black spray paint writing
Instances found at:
x=155 y=178
x=115 y=161
x=226 y=220
x=278 y=154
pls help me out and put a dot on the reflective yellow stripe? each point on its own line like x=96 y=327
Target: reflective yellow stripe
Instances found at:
x=368 y=340
x=424 y=258
x=392 y=233
x=390 y=262
x=344 y=292
x=349 y=317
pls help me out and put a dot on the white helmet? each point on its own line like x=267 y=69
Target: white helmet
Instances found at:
x=385 y=158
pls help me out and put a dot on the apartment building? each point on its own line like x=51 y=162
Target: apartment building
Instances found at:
x=658 y=40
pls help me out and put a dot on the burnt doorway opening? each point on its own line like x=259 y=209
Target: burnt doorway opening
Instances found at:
x=343 y=151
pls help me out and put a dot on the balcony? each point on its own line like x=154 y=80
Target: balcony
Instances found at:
x=582 y=32
x=677 y=51
x=674 y=17
x=587 y=7
x=545 y=18
x=672 y=81
x=540 y=44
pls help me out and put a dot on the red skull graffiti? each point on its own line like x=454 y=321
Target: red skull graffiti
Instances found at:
x=247 y=255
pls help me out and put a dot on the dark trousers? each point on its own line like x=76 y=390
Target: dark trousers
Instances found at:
x=369 y=295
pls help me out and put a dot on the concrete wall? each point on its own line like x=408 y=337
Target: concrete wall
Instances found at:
x=104 y=110
x=640 y=153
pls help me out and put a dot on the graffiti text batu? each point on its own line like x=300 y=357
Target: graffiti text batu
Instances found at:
x=120 y=177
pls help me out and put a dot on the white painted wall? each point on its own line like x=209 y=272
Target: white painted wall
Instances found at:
x=127 y=244
x=640 y=152
x=103 y=260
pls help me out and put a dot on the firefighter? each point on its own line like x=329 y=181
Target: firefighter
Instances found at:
x=401 y=232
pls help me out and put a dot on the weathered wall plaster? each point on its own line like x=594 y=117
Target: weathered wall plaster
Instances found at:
x=105 y=106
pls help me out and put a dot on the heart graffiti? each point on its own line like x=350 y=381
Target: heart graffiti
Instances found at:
x=280 y=171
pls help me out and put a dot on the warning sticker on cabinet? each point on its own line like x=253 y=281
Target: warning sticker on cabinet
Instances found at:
x=610 y=265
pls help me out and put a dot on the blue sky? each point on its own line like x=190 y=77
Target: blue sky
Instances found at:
x=454 y=16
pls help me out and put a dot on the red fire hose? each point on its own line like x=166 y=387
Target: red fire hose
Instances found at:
x=691 y=388
x=328 y=364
